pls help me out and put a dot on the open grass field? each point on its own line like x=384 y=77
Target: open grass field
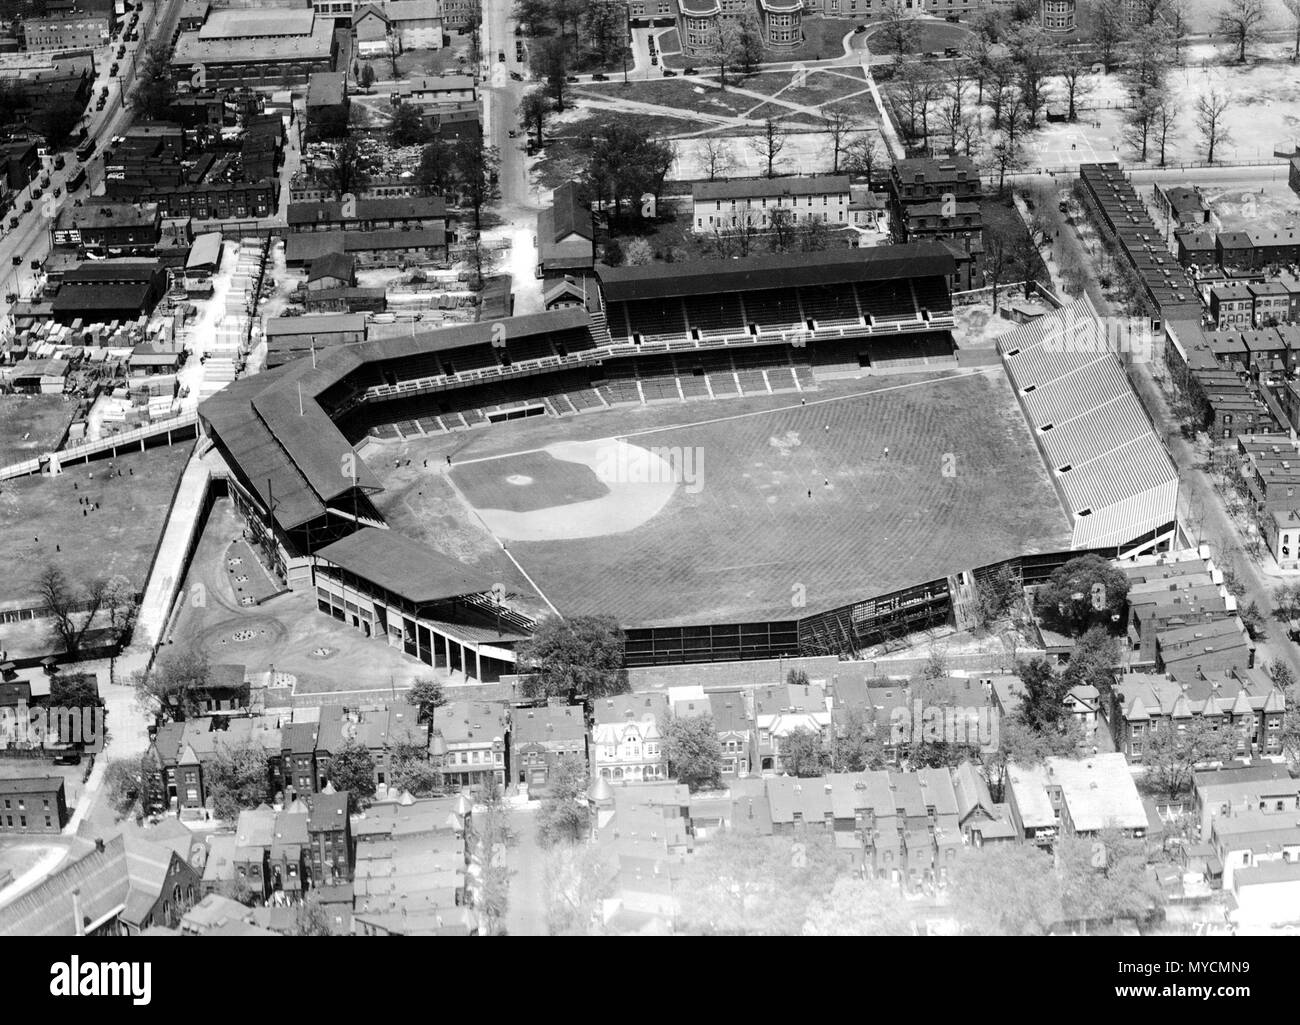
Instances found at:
x=41 y=521
x=738 y=533
x=31 y=425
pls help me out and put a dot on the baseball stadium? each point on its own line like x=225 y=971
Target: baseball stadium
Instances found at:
x=773 y=457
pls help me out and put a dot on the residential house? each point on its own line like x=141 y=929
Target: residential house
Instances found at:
x=740 y=203
x=777 y=711
x=565 y=236
x=540 y=737
x=1074 y=797
x=467 y=741
x=32 y=804
x=1251 y=839
x=627 y=745
x=1262 y=787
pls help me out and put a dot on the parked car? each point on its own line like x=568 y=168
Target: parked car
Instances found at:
x=45 y=182
x=13 y=222
x=18 y=261
x=690 y=71
x=571 y=78
x=103 y=93
x=501 y=56
x=513 y=134
x=27 y=206
x=654 y=61
x=99 y=103
x=669 y=73
x=516 y=76
x=112 y=72
x=859 y=30
x=58 y=191
x=68 y=758
x=59 y=162
x=950 y=51
x=37 y=193
x=598 y=77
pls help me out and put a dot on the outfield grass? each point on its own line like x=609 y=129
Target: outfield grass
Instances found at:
x=962 y=486
x=42 y=523
x=31 y=425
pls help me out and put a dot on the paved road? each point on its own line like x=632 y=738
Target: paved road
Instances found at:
x=526 y=913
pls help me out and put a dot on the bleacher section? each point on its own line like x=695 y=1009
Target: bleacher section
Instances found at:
x=887 y=302
x=656 y=320
x=932 y=296
x=715 y=316
x=774 y=311
x=830 y=307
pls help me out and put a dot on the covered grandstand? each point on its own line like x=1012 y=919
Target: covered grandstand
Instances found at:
x=1109 y=467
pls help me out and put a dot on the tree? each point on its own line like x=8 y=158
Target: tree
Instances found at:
x=534 y=17
x=769 y=143
x=477 y=177
x=1005 y=890
x=797 y=677
x=1241 y=21
x=134 y=786
x=239 y=891
x=551 y=64
x=75 y=690
x=1104 y=878
x=624 y=165
x=898 y=29
x=995 y=594
x=1007 y=151
x=748 y=53
x=1210 y=110
x=576 y=880
x=638 y=253
x=154 y=87
x=408 y=127
x=426 y=695
x=781 y=224
x=353 y=770
x=859 y=907
x=174 y=687
x=604 y=33
x=393 y=51
x=694 y=752
x=411 y=771
x=721 y=45
x=437 y=171
x=856 y=745
x=1077 y=81
x=72 y=612
x=1092 y=662
x=803 y=753
x=564 y=816
x=1043 y=694
x=1293 y=9
x=1164 y=122
x=837 y=127
x=348 y=173
x=743 y=885
x=534 y=109
x=366 y=76
x=1086 y=591
x=580 y=656
x=1034 y=57
x=121 y=604
x=311 y=919
x=1280 y=675
x=237 y=778
x=862 y=156
x=1020 y=745
x=1170 y=754
x=716 y=156
x=1110 y=29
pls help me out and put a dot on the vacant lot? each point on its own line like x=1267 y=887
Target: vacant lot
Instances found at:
x=31 y=425
x=736 y=546
x=42 y=521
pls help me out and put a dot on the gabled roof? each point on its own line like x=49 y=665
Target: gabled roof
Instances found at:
x=570 y=215
x=404 y=566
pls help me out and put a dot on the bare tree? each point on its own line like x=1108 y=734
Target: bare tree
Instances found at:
x=717 y=157
x=898 y=31
x=783 y=227
x=837 y=126
x=1210 y=110
x=1076 y=77
x=1241 y=21
x=721 y=47
x=1293 y=9
x=769 y=144
x=1006 y=152
x=1164 y=120
x=393 y=51
x=72 y=612
x=862 y=156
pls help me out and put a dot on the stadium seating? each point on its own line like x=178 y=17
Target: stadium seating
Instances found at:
x=723 y=383
x=659 y=388
x=585 y=399
x=804 y=376
x=715 y=315
x=887 y=302
x=431 y=425
x=782 y=379
x=472 y=357
x=932 y=294
x=522 y=349
x=752 y=382
x=774 y=310
x=454 y=421
x=830 y=307
x=409 y=428
x=622 y=392
x=657 y=320
x=693 y=387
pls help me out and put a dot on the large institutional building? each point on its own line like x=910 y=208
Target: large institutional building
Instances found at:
x=258 y=48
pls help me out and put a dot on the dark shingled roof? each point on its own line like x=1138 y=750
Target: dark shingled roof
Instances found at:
x=569 y=213
x=831 y=267
x=404 y=566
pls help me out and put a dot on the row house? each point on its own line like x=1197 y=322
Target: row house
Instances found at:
x=781 y=709
x=627 y=744
x=186 y=751
x=1271 y=466
x=468 y=743
x=289 y=852
x=540 y=737
x=753 y=202
x=1262 y=787
x=406 y=212
x=1186 y=593
x=1066 y=797
x=1249 y=840
x=1243 y=704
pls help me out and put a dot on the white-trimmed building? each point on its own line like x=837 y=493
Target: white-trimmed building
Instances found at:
x=626 y=741
x=751 y=202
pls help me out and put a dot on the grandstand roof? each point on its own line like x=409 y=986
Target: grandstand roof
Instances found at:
x=404 y=566
x=832 y=267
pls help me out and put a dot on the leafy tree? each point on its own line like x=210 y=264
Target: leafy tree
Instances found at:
x=1005 y=889
x=899 y=30
x=353 y=770
x=576 y=880
x=857 y=746
x=238 y=890
x=408 y=128
x=1019 y=745
x=238 y=778
x=172 y=689
x=534 y=109
x=491 y=892
x=154 y=88
x=1280 y=675
x=742 y=885
x=426 y=695
x=478 y=166
x=1171 y=754
x=311 y=919
x=366 y=77
x=748 y=52
x=412 y=772
x=638 y=253
x=1241 y=21
x=694 y=751
x=564 y=816
x=1041 y=707
x=134 y=786
x=437 y=171
x=580 y=656
x=625 y=164
x=347 y=175
x=75 y=690
x=1105 y=878
x=803 y=753
x=534 y=17
x=71 y=611
x=859 y=907
x=796 y=677
x=995 y=594
x=1293 y=10
x=1086 y=591
x=551 y=65
x=1092 y=662
x=1253 y=618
